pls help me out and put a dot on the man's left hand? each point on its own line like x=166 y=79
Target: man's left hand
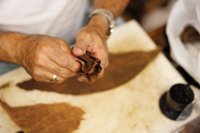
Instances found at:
x=92 y=38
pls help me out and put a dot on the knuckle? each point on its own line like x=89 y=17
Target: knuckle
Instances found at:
x=35 y=72
x=63 y=73
x=64 y=62
x=44 y=48
x=38 y=60
x=36 y=77
x=61 y=41
x=70 y=64
x=87 y=34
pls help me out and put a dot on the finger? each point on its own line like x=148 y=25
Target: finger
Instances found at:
x=101 y=74
x=79 y=48
x=93 y=79
x=60 y=53
x=52 y=67
x=99 y=49
x=64 y=46
x=64 y=60
x=45 y=76
x=102 y=55
x=83 y=79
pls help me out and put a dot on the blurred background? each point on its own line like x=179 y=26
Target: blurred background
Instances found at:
x=152 y=16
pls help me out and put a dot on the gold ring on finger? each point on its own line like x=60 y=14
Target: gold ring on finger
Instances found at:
x=54 y=78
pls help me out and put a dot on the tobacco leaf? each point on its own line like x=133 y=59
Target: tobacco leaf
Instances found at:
x=46 y=118
x=123 y=67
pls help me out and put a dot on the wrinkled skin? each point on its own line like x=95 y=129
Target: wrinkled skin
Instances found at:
x=42 y=56
x=92 y=38
x=45 y=56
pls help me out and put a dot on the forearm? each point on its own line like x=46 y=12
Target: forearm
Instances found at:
x=10 y=48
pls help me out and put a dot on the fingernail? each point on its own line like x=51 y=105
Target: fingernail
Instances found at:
x=77 y=51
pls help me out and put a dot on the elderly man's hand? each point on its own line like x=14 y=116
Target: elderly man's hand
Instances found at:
x=92 y=38
x=47 y=59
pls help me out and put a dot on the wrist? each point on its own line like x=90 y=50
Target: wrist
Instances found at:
x=10 y=48
x=105 y=14
x=100 y=24
x=20 y=48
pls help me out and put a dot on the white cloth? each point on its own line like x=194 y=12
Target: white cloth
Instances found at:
x=60 y=18
x=185 y=12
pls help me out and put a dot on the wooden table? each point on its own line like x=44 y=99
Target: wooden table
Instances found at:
x=131 y=108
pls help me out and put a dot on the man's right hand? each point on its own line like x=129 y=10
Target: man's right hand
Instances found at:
x=46 y=58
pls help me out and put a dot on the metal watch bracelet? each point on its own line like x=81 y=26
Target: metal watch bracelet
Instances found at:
x=108 y=15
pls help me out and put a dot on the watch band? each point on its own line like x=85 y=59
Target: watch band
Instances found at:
x=108 y=15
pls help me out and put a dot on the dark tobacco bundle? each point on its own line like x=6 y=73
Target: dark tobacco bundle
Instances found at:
x=90 y=66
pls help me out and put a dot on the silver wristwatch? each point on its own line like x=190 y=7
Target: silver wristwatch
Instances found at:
x=108 y=15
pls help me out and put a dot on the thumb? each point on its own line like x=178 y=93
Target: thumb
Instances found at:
x=79 y=48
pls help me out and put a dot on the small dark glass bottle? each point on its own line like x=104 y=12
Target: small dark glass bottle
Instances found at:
x=173 y=102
